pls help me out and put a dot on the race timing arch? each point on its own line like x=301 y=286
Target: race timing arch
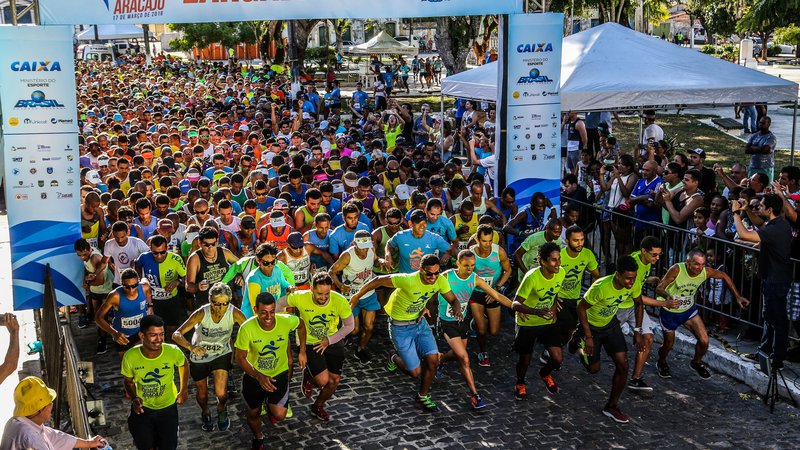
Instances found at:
x=39 y=110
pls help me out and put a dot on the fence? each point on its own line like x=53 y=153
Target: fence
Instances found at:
x=621 y=234
x=61 y=363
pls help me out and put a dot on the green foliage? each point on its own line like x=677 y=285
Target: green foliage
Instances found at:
x=320 y=56
x=774 y=51
x=788 y=35
x=201 y=35
x=708 y=49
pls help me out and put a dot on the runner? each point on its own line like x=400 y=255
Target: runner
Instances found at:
x=264 y=354
x=164 y=272
x=97 y=284
x=207 y=265
x=122 y=249
x=409 y=247
x=342 y=237
x=493 y=266
x=210 y=350
x=539 y=290
x=322 y=350
x=149 y=371
x=317 y=241
x=599 y=328
x=297 y=258
x=131 y=302
x=412 y=337
x=265 y=278
x=681 y=283
x=357 y=265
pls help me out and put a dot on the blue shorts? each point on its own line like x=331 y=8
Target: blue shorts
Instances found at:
x=413 y=342
x=670 y=321
x=370 y=303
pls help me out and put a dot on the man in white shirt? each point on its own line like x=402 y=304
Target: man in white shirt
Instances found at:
x=652 y=132
x=123 y=249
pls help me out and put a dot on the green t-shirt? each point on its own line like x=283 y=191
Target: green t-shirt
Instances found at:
x=154 y=378
x=573 y=269
x=604 y=300
x=641 y=273
x=321 y=321
x=685 y=287
x=266 y=350
x=539 y=293
x=531 y=246
x=410 y=296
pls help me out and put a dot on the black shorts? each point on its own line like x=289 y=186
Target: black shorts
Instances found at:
x=609 y=337
x=526 y=338
x=98 y=297
x=155 y=428
x=254 y=395
x=567 y=318
x=479 y=298
x=388 y=90
x=172 y=310
x=332 y=360
x=454 y=328
x=133 y=340
x=203 y=370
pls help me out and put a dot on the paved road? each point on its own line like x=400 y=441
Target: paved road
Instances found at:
x=374 y=409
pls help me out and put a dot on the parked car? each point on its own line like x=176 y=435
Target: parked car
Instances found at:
x=404 y=40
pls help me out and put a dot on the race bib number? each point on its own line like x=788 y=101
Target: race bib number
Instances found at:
x=131 y=322
x=161 y=294
x=462 y=245
x=488 y=280
x=686 y=302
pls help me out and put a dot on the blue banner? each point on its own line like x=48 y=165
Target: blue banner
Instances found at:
x=533 y=105
x=40 y=155
x=194 y=11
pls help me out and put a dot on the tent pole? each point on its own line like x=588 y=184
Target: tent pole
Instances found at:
x=441 y=127
x=794 y=130
x=641 y=125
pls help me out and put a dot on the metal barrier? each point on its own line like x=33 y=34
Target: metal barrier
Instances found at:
x=61 y=363
x=611 y=234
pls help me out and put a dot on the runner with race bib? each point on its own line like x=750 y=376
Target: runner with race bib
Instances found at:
x=131 y=302
x=164 y=271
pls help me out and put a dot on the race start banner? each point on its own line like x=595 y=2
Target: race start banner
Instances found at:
x=530 y=77
x=40 y=156
x=194 y=11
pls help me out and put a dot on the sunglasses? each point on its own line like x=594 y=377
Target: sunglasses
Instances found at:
x=208 y=244
x=261 y=194
x=431 y=274
x=163 y=252
x=130 y=286
x=393 y=224
x=201 y=213
x=267 y=263
x=220 y=303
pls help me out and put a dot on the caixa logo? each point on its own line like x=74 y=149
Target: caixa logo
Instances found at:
x=36 y=66
x=535 y=48
x=534 y=77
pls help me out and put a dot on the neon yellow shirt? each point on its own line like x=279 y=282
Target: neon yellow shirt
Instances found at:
x=410 y=296
x=573 y=269
x=539 y=293
x=641 y=274
x=604 y=300
x=154 y=378
x=266 y=350
x=531 y=246
x=321 y=320
x=685 y=287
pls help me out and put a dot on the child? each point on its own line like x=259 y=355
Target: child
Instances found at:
x=714 y=290
x=701 y=228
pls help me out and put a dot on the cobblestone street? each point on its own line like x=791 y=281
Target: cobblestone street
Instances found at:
x=375 y=409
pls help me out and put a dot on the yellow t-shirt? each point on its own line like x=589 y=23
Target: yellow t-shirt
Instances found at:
x=538 y=293
x=154 y=378
x=266 y=350
x=321 y=320
x=411 y=295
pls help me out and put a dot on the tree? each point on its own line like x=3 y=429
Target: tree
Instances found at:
x=764 y=16
x=481 y=43
x=789 y=35
x=340 y=27
x=454 y=40
x=302 y=29
x=227 y=34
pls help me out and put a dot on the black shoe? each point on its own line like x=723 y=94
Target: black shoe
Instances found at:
x=701 y=369
x=362 y=356
x=208 y=424
x=258 y=444
x=102 y=347
x=663 y=370
x=638 y=384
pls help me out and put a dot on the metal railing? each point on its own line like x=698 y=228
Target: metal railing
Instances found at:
x=611 y=234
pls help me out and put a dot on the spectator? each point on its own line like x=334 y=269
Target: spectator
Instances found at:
x=708 y=179
x=12 y=354
x=643 y=200
x=761 y=148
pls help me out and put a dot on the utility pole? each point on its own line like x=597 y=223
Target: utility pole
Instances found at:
x=146 y=29
x=294 y=69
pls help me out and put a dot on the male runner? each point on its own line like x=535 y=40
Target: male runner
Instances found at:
x=207 y=265
x=98 y=283
x=411 y=336
x=320 y=339
x=210 y=350
x=264 y=278
x=131 y=302
x=164 y=271
x=681 y=283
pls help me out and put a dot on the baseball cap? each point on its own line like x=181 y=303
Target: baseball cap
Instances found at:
x=280 y=204
x=351 y=179
x=698 y=151
x=417 y=216
x=193 y=175
x=166 y=225
x=31 y=395
x=184 y=186
x=362 y=239
x=102 y=160
x=403 y=192
x=93 y=177
x=295 y=239
x=324 y=124
x=276 y=219
x=248 y=222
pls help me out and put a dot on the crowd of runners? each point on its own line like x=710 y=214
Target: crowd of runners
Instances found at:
x=228 y=221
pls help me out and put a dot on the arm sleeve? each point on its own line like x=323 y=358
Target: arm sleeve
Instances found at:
x=347 y=326
x=233 y=270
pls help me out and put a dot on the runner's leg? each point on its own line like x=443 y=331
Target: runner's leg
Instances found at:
x=695 y=325
x=458 y=348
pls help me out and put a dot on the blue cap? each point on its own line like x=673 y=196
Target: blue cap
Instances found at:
x=118 y=117
x=185 y=185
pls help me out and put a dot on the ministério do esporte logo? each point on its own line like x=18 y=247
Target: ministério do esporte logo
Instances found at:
x=38 y=100
x=534 y=76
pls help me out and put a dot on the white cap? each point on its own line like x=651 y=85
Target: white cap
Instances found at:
x=324 y=124
x=93 y=177
x=277 y=221
x=403 y=192
x=326 y=146
x=363 y=242
x=268 y=158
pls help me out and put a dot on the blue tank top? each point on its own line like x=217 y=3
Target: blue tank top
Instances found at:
x=130 y=312
x=148 y=230
x=298 y=198
x=322 y=244
x=488 y=268
x=462 y=289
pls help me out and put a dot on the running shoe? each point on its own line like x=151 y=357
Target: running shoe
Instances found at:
x=362 y=356
x=483 y=360
x=350 y=340
x=208 y=424
x=750 y=357
x=663 y=370
x=289 y=413
x=320 y=413
x=545 y=357
x=223 y=422
x=102 y=347
x=231 y=386
x=83 y=322
x=520 y=392
x=390 y=364
x=701 y=369
x=477 y=402
x=616 y=414
x=473 y=330
x=427 y=404
x=550 y=384
x=638 y=384
x=258 y=444
x=308 y=386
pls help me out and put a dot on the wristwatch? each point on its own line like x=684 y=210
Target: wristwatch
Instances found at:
x=637 y=330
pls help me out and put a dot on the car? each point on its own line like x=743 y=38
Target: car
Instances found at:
x=345 y=44
x=404 y=40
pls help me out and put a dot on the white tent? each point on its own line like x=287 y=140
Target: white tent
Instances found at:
x=611 y=67
x=383 y=44
x=113 y=32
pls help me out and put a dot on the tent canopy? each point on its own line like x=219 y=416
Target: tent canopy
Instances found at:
x=113 y=32
x=611 y=66
x=385 y=44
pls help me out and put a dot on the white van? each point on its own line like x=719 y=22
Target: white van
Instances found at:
x=96 y=52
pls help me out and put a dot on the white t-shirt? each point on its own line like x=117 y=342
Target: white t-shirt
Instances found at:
x=379 y=85
x=652 y=131
x=234 y=226
x=490 y=164
x=124 y=257
x=21 y=433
